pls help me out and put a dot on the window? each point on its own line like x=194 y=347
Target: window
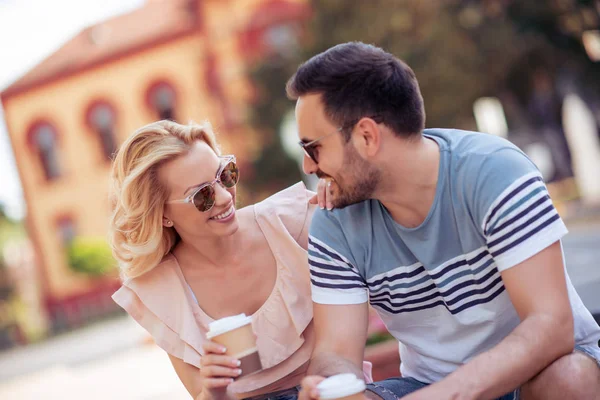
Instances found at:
x=66 y=230
x=161 y=98
x=282 y=39
x=44 y=140
x=274 y=30
x=101 y=118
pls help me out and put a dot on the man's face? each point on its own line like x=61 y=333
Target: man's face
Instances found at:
x=353 y=179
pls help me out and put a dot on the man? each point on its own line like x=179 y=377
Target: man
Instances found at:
x=450 y=236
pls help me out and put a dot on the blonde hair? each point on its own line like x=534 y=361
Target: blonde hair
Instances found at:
x=137 y=236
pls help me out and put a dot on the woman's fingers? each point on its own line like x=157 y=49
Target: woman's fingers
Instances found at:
x=212 y=347
x=214 y=383
x=328 y=195
x=218 y=359
x=211 y=371
x=322 y=193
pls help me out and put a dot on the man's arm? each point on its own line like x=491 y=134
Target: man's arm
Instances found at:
x=340 y=304
x=538 y=291
x=341 y=334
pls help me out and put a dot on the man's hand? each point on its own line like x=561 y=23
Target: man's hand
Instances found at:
x=309 y=389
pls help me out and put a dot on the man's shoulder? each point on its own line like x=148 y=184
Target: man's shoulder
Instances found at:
x=463 y=143
x=342 y=222
x=344 y=216
x=471 y=153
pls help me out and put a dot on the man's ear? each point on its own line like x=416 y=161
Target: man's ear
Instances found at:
x=367 y=137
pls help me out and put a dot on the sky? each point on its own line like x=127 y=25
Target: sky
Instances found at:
x=31 y=30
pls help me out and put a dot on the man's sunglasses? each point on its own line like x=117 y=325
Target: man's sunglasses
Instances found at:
x=310 y=148
x=203 y=198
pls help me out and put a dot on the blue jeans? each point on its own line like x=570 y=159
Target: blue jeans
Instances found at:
x=287 y=394
x=393 y=388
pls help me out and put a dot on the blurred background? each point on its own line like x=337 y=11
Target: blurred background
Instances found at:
x=78 y=77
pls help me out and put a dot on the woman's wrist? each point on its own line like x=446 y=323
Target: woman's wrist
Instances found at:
x=209 y=395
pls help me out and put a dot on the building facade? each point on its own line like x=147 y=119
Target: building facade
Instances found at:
x=172 y=59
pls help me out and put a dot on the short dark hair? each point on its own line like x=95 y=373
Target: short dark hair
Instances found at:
x=359 y=80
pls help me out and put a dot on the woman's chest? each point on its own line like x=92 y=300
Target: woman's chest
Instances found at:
x=242 y=288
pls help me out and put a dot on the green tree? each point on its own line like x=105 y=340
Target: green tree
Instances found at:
x=90 y=255
x=460 y=50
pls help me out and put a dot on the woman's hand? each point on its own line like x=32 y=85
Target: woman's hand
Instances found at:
x=323 y=196
x=217 y=371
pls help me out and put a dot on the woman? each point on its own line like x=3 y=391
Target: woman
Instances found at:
x=189 y=257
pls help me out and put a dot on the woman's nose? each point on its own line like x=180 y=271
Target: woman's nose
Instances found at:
x=222 y=195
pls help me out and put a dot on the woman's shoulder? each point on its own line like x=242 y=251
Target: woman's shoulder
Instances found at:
x=290 y=205
x=157 y=300
x=162 y=280
x=287 y=209
x=157 y=275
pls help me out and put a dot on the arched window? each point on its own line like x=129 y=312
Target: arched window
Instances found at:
x=102 y=119
x=162 y=99
x=44 y=140
x=66 y=230
x=274 y=29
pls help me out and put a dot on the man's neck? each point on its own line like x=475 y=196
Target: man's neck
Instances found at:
x=410 y=184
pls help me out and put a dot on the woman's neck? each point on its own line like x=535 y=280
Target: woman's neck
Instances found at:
x=210 y=252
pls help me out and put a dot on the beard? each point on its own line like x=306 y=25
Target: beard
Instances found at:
x=359 y=180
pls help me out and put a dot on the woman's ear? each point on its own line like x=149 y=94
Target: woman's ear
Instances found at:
x=167 y=222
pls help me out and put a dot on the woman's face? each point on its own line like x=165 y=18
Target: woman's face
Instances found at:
x=182 y=176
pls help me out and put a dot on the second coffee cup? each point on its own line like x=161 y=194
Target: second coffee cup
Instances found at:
x=235 y=333
x=342 y=387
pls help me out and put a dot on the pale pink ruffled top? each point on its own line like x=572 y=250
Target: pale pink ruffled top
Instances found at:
x=162 y=303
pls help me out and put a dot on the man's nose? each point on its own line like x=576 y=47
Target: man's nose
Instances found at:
x=309 y=166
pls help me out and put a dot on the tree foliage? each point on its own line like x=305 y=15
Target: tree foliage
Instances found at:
x=460 y=50
x=91 y=256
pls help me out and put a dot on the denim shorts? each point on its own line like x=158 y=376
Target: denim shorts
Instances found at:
x=593 y=353
x=287 y=394
x=393 y=388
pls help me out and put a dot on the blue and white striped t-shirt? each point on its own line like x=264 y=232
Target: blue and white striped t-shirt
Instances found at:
x=438 y=287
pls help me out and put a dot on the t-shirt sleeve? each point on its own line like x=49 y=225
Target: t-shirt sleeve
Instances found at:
x=335 y=279
x=512 y=204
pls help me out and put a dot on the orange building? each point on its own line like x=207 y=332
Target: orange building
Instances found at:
x=177 y=59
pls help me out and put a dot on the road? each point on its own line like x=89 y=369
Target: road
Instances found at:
x=582 y=254
x=109 y=360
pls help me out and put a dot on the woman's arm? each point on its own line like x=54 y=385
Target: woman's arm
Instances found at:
x=312 y=199
x=303 y=238
x=188 y=375
x=211 y=380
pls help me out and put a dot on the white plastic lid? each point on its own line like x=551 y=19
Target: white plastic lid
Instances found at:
x=227 y=324
x=340 y=385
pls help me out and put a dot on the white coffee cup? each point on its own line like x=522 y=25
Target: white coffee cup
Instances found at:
x=235 y=333
x=342 y=386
